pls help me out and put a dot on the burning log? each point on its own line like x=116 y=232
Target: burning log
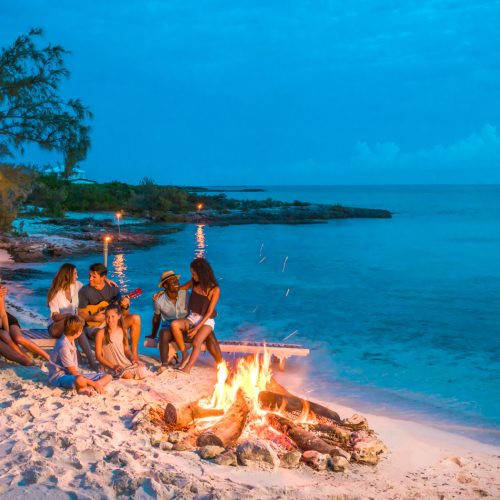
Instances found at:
x=183 y=416
x=333 y=434
x=294 y=403
x=291 y=403
x=229 y=428
x=305 y=440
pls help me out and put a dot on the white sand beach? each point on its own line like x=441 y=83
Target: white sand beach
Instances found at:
x=57 y=444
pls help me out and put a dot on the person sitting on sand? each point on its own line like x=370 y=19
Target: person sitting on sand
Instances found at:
x=112 y=349
x=200 y=324
x=62 y=299
x=100 y=290
x=12 y=338
x=63 y=368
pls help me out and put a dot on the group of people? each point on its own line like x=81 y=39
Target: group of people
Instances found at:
x=97 y=318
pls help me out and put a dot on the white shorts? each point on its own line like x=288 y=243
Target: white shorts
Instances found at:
x=195 y=318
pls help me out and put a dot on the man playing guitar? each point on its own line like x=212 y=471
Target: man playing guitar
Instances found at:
x=95 y=297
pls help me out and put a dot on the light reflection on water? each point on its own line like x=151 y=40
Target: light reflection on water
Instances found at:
x=119 y=273
x=200 y=247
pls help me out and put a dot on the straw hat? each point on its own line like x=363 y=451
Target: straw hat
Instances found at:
x=164 y=277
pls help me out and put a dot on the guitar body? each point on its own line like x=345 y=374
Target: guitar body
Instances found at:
x=91 y=310
x=97 y=308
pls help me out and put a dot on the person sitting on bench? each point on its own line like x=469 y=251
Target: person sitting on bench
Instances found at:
x=12 y=338
x=170 y=304
x=95 y=297
x=200 y=324
x=62 y=299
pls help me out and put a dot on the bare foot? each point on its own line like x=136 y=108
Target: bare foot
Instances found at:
x=184 y=359
x=185 y=370
x=86 y=391
x=184 y=362
x=99 y=388
x=163 y=368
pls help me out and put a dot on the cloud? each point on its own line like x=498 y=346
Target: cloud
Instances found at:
x=465 y=160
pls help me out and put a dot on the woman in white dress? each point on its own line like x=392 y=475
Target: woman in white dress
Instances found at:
x=112 y=348
x=62 y=299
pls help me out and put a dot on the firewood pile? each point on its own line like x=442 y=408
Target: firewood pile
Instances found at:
x=269 y=428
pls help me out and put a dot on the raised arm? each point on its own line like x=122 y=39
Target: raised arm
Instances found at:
x=187 y=285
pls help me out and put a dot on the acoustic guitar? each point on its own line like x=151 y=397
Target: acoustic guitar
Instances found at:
x=97 y=308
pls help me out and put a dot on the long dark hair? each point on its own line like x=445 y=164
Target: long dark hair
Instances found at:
x=206 y=278
x=117 y=308
x=62 y=280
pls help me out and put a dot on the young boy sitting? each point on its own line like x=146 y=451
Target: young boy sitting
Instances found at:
x=63 y=367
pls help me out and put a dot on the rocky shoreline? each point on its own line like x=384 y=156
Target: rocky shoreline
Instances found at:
x=82 y=236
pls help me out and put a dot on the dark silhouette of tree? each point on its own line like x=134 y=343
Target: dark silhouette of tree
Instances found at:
x=31 y=109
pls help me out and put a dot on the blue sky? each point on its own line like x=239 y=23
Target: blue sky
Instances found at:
x=266 y=92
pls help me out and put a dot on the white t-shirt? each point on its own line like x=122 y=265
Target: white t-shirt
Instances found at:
x=60 y=303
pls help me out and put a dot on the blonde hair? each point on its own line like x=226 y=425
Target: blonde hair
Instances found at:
x=73 y=325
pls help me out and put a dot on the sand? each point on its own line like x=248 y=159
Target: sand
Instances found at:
x=57 y=444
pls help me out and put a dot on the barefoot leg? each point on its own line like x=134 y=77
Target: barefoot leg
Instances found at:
x=19 y=339
x=177 y=328
x=198 y=340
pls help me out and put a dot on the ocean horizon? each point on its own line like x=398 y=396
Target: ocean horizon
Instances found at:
x=401 y=315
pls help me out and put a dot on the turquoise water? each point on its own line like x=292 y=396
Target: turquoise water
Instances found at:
x=402 y=315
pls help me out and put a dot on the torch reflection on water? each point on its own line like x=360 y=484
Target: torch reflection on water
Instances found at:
x=120 y=271
x=200 y=241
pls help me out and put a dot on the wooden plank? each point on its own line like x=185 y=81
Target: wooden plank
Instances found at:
x=40 y=337
x=280 y=351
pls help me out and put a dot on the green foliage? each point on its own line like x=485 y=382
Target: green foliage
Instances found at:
x=15 y=185
x=159 y=203
x=31 y=109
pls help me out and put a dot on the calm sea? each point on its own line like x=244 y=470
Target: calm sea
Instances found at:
x=402 y=316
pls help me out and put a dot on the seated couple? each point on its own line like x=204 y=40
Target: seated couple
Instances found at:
x=67 y=296
x=186 y=317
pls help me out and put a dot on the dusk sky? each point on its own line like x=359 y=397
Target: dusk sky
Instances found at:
x=266 y=92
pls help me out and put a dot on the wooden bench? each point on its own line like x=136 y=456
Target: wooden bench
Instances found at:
x=40 y=337
x=280 y=351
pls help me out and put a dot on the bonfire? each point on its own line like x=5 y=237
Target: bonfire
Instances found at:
x=251 y=418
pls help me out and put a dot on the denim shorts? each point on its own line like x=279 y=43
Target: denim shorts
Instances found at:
x=68 y=381
x=195 y=318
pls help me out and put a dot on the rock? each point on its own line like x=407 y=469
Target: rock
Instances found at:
x=155 y=442
x=166 y=445
x=339 y=452
x=315 y=459
x=368 y=451
x=182 y=446
x=207 y=452
x=258 y=453
x=357 y=421
x=339 y=464
x=291 y=459
x=176 y=436
x=228 y=458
